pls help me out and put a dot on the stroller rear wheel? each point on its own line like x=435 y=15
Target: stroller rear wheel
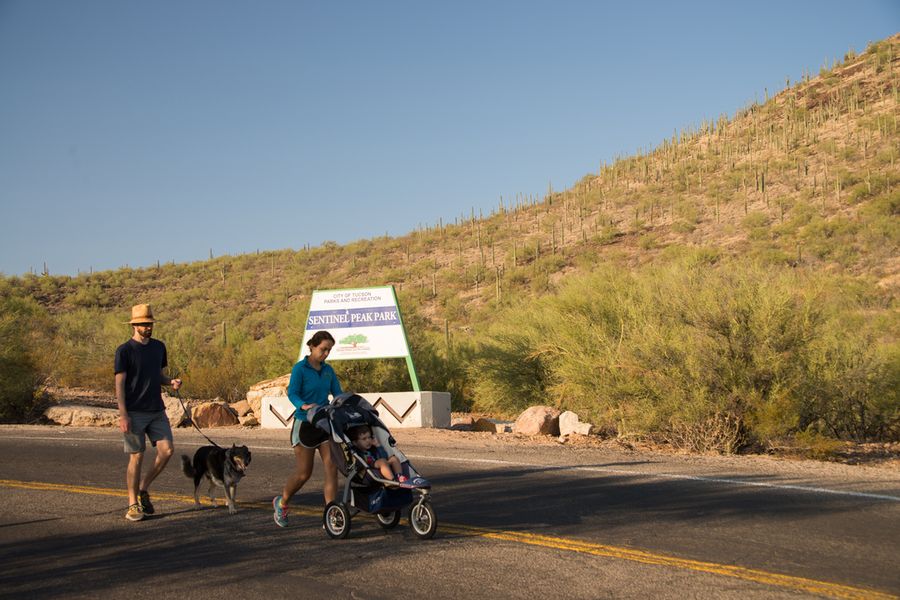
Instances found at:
x=388 y=520
x=337 y=520
x=423 y=520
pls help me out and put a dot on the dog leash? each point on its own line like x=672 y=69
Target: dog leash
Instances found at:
x=187 y=414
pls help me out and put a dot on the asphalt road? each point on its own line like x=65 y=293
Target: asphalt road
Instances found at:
x=514 y=522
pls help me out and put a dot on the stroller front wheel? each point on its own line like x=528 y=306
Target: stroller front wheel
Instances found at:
x=337 y=520
x=423 y=520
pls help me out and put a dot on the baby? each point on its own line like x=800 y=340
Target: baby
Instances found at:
x=375 y=455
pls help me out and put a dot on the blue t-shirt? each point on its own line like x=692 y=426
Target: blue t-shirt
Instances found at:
x=308 y=386
x=142 y=365
x=372 y=454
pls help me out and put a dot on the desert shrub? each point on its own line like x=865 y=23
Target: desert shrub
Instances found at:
x=214 y=373
x=507 y=370
x=854 y=389
x=683 y=227
x=832 y=239
x=712 y=356
x=799 y=214
x=550 y=263
x=648 y=241
x=517 y=277
x=606 y=234
x=388 y=375
x=83 y=348
x=815 y=445
x=211 y=369
x=88 y=295
x=24 y=333
x=757 y=224
x=716 y=433
x=445 y=369
x=887 y=204
x=454 y=308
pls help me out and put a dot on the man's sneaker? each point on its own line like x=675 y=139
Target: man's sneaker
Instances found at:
x=135 y=513
x=280 y=512
x=146 y=505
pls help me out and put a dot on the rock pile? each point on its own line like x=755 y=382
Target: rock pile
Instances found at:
x=210 y=413
x=535 y=420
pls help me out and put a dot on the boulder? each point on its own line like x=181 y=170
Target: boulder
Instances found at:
x=538 y=420
x=492 y=425
x=82 y=416
x=269 y=387
x=278 y=382
x=254 y=399
x=213 y=414
x=241 y=408
x=569 y=423
x=462 y=423
x=174 y=411
x=249 y=421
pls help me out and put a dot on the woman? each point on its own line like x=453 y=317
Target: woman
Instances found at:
x=311 y=383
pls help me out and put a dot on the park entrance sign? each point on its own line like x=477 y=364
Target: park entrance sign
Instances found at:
x=365 y=323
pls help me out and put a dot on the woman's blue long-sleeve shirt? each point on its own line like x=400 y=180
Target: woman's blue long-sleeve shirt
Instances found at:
x=308 y=386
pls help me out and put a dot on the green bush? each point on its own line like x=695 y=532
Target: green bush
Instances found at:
x=854 y=390
x=509 y=373
x=82 y=352
x=887 y=204
x=24 y=329
x=757 y=224
x=711 y=356
x=684 y=227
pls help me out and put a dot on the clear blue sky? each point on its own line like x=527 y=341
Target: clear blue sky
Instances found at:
x=132 y=132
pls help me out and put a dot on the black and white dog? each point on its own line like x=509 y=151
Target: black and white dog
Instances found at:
x=222 y=467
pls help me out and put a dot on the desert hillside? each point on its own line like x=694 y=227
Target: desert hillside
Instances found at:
x=797 y=194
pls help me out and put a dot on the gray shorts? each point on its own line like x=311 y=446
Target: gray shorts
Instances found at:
x=154 y=425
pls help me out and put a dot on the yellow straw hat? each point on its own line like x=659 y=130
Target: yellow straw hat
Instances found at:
x=141 y=313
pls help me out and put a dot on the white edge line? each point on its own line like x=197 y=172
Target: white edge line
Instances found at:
x=490 y=461
x=701 y=478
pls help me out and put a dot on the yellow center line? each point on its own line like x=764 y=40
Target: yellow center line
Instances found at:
x=823 y=588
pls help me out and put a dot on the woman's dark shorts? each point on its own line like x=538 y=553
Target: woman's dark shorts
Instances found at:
x=307 y=435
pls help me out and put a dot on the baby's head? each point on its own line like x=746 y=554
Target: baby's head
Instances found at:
x=361 y=436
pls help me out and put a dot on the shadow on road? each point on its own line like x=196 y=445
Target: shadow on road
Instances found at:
x=186 y=553
x=97 y=553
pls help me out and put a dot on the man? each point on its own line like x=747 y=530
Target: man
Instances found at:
x=140 y=363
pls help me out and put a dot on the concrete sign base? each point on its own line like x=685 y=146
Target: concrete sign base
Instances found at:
x=396 y=409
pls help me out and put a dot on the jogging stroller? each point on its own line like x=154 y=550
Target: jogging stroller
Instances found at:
x=366 y=489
